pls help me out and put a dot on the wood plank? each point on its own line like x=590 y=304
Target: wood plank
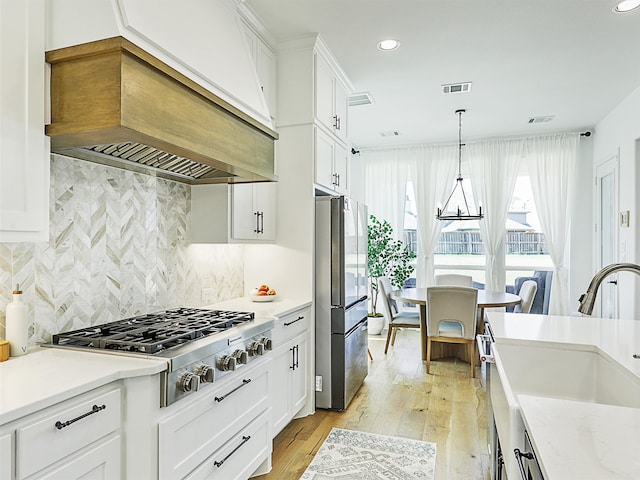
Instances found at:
x=399 y=398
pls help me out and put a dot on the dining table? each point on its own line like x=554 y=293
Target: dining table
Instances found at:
x=418 y=296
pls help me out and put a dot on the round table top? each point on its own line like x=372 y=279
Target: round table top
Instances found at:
x=485 y=299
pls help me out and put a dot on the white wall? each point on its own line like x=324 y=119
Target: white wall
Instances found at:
x=620 y=131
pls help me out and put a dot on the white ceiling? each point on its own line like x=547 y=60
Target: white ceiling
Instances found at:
x=574 y=59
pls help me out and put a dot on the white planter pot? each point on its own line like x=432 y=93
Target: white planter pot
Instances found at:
x=376 y=324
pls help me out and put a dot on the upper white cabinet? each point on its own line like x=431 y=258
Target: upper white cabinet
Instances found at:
x=314 y=92
x=264 y=58
x=24 y=148
x=330 y=99
x=331 y=163
x=238 y=213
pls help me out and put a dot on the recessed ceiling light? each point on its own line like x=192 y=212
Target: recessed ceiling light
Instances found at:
x=386 y=45
x=626 y=6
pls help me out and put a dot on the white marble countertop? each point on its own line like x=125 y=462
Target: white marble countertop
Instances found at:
x=573 y=439
x=581 y=440
x=47 y=376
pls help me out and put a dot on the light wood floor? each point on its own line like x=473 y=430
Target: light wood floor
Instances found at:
x=398 y=398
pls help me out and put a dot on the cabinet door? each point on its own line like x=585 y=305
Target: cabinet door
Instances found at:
x=280 y=389
x=244 y=218
x=324 y=100
x=340 y=110
x=24 y=148
x=101 y=462
x=266 y=66
x=6 y=456
x=324 y=159
x=264 y=198
x=299 y=376
x=341 y=169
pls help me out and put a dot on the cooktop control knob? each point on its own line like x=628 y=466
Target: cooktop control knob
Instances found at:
x=227 y=363
x=266 y=342
x=189 y=382
x=240 y=356
x=205 y=372
x=255 y=348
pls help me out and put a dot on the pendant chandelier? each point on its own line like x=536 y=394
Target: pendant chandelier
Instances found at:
x=459 y=214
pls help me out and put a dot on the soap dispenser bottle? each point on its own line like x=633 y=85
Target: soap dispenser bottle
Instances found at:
x=17 y=326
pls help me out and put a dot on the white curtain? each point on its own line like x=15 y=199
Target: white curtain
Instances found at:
x=433 y=171
x=494 y=169
x=552 y=164
x=385 y=174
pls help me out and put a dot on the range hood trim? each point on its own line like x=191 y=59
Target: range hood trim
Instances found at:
x=122 y=82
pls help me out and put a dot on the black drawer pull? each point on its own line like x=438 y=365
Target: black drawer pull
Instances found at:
x=244 y=440
x=519 y=455
x=244 y=382
x=95 y=409
x=286 y=324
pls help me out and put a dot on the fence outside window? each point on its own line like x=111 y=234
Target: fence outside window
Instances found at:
x=468 y=242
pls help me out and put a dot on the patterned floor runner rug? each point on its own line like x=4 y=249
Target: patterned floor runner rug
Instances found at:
x=347 y=454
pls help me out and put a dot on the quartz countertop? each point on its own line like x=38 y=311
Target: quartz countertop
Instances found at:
x=581 y=440
x=574 y=439
x=47 y=376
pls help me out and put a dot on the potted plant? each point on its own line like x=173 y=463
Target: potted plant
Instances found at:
x=385 y=257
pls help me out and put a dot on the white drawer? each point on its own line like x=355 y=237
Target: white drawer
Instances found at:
x=289 y=326
x=241 y=455
x=63 y=429
x=200 y=427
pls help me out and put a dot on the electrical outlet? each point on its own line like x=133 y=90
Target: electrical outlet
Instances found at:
x=207 y=295
x=318 y=383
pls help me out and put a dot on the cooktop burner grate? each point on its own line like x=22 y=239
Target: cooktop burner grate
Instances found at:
x=155 y=332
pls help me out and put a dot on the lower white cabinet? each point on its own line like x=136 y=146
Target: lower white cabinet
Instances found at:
x=206 y=429
x=290 y=379
x=77 y=438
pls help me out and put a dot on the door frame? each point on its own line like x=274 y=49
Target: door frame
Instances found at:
x=609 y=166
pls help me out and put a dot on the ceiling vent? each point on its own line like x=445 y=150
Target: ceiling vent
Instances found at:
x=390 y=133
x=543 y=119
x=457 y=87
x=362 y=98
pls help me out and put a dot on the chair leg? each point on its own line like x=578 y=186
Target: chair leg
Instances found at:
x=393 y=338
x=428 y=354
x=370 y=356
x=386 y=346
x=472 y=359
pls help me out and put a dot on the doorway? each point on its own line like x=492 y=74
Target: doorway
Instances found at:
x=607 y=233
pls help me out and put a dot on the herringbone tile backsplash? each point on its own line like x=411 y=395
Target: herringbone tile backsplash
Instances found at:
x=118 y=246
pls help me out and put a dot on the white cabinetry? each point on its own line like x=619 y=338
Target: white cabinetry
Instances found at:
x=290 y=385
x=331 y=162
x=314 y=93
x=264 y=58
x=24 y=148
x=6 y=455
x=233 y=213
x=330 y=99
x=75 y=438
x=227 y=428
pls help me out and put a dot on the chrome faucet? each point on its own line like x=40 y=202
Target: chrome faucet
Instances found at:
x=588 y=299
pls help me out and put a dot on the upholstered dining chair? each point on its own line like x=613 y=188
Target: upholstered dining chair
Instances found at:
x=451 y=318
x=454 y=279
x=397 y=319
x=527 y=293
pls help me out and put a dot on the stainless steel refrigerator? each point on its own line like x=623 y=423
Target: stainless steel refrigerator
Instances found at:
x=341 y=300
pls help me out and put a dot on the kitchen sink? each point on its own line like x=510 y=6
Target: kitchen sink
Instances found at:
x=570 y=372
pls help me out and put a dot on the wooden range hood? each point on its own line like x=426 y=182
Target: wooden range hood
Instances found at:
x=114 y=103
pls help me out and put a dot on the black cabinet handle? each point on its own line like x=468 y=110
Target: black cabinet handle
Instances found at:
x=95 y=409
x=244 y=382
x=261 y=215
x=244 y=440
x=293 y=358
x=297 y=356
x=257 y=229
x=286 y=324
